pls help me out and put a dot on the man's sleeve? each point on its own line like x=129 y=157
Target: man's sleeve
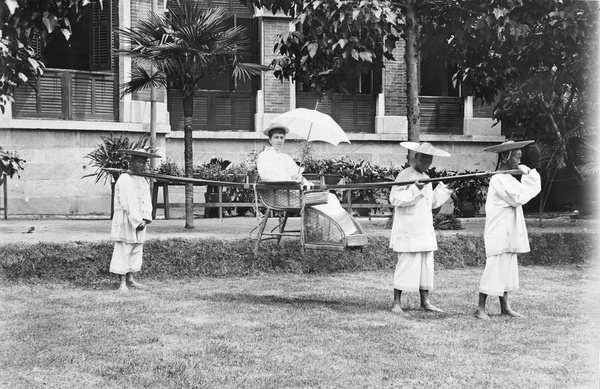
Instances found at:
x=517 y=193
x=404 y=196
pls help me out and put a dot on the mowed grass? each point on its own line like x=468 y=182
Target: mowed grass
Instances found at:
x=300 y=331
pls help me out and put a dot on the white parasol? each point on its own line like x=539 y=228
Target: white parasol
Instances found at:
x=311 y=125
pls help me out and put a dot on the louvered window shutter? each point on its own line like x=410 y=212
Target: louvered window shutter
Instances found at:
x=100 y=36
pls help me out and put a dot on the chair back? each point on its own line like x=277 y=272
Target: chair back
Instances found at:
x=281 y=199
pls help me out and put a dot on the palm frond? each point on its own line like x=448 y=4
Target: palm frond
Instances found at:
x=586 y=154
x=552 y=154
x=142 y=80
x=193 y=43
x=246 y=70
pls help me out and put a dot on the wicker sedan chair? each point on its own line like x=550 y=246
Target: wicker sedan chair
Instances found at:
x=317 y=230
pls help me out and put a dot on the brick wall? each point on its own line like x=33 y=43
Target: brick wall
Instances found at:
x=482 y=110
x=394 y=83
x=277 y=95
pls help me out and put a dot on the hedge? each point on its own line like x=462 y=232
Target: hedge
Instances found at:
x=89 y=261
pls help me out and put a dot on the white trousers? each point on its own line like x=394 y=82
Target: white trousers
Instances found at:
x=414 y=271
x=501 y=274
x=126 y=258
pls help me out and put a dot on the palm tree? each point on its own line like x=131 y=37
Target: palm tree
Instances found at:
x=190 y=44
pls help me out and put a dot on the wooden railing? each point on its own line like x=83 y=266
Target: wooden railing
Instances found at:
x=68 y=95
x=166 y=204
x=220 y=204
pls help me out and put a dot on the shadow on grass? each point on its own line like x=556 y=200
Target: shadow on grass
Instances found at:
x=336 y=305
x=341 y=305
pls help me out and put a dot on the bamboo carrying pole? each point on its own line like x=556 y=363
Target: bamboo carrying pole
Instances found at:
x=292 y=184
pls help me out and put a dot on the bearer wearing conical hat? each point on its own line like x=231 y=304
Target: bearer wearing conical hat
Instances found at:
x=132 y=211
x=413 y=237
x=505 y=232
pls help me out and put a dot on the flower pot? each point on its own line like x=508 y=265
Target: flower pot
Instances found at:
x=312 y=177
x=330 y=179
x=467 y=208
x=252 y=178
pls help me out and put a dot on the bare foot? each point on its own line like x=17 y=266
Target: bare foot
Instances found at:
x=511 y=313
x=137 y=285
x=123 y=288
x=397 y=309
x=428 y=307
x=481 y=314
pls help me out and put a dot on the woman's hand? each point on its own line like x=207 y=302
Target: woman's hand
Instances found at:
x=141 y=226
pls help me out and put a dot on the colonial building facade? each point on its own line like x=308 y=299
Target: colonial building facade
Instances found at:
x=54 y=125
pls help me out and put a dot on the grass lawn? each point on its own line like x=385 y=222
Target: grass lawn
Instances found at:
x=300 y=331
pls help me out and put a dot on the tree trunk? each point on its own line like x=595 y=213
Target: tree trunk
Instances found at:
x=188 y=155
x=411 y=56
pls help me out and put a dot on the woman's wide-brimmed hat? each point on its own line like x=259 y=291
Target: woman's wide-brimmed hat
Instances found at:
x=140 y=153
x=274 y=126
x=424 y=148
x=508 y=145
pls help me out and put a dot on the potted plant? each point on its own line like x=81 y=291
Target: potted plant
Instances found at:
x=362 y=172
x=251 y=167
x=330 y=170
x=238 y=194
x=170 y=168
x=213 y=170
x=10 y=163
x=469 y=195
x=107 y=155
x=312 y=167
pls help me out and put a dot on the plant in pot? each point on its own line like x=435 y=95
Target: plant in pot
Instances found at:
x=237 y=194
x=214 y=170
x=312 y=167
x=362 y=172
x=469 y=195
x=251 y=167
x=330 y=170
x=238 y=171
x=107 y=155
x=169 y=167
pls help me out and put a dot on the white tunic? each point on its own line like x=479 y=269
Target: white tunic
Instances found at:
x=412 y=230
x=505 y=230
x=132 y=204
x=274 y=165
